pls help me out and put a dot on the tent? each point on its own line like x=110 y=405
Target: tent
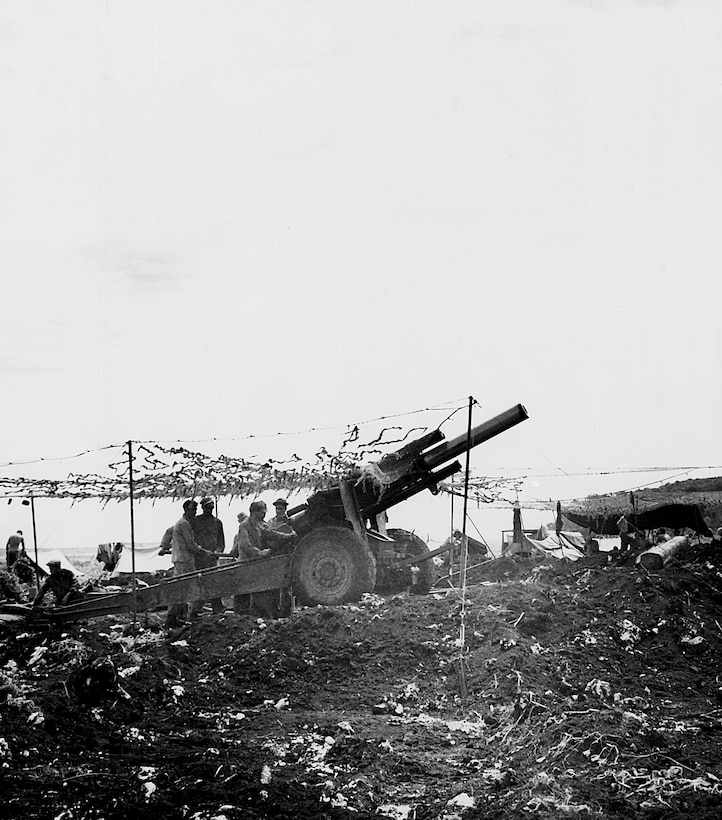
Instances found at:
x=147 y=559
x=542 y=540
x=568 y=545
x=45 y=556
x=672 y=516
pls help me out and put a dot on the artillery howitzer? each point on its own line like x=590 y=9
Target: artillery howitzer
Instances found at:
x=343 y=549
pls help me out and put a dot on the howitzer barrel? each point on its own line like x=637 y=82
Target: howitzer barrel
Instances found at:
x=427 y=482
x=447 y=450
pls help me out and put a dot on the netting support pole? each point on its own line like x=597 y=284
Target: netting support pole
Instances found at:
x=464 y=560
x=35 y=543
x=452 y=557
x=132 y=530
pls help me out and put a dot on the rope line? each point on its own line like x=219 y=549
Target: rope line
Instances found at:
x=441 y=406
x=62 y=458
x=591 y=471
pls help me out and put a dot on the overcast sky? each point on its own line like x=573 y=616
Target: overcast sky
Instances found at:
x=220 y=219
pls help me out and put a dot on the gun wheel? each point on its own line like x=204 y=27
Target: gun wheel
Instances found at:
x=331 y=566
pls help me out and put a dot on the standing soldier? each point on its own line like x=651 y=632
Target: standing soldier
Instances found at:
x=280 y=521
x=208 y=532
x=234 y=548
x=254 y=540
x=166 y=541
x=14 y=548
x=184 y=553
x=453 y=546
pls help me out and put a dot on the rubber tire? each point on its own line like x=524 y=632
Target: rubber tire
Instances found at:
x=411 y=544
x=331 y=566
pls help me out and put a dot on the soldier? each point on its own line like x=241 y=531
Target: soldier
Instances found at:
x=62 y=583
x=591 y=545
x=184 y=552
x=14 y=548
x=280 y=521
x=234 y=547
x=208 y=532
x=166 y=541
x=453 y=544
x=248 y=543
x=255 y=540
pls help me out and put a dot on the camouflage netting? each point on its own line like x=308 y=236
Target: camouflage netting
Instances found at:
x=178 y=472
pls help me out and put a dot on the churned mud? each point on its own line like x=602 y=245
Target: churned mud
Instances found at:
x=589 y=691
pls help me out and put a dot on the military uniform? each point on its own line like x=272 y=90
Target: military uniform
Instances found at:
x=184 y=553
x=253 y=541
x=208 y=532
x=63 y=586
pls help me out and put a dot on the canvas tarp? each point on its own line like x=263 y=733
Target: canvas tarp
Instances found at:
x=146 y=559
x=44 y=556
x=672 y=516
x=568 y=545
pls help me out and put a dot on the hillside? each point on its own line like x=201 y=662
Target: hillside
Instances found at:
x=693 y=485
x=706 y=493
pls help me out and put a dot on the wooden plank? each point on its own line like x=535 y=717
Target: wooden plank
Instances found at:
x=216 y=582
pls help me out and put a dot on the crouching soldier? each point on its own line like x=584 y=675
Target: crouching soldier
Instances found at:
x=62 y=583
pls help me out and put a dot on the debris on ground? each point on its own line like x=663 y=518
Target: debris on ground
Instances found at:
x=592 y=691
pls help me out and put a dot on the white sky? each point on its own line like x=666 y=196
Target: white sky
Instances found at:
x=224 y=218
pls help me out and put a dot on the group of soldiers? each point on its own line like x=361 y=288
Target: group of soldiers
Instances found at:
x=196 y=541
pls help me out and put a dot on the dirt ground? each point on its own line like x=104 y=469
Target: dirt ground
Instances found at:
x=590 y=691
